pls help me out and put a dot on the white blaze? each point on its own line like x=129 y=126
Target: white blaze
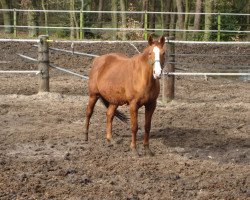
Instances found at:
x=157 y=65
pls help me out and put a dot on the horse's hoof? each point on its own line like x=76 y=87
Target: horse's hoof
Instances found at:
x=135 y=153
x=111 y=143
x=148 y=152
x=86 y=138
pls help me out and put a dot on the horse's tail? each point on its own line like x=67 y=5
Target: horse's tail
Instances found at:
x=121 y=116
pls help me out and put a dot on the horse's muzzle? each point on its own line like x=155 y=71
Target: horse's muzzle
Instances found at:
x=157 y=76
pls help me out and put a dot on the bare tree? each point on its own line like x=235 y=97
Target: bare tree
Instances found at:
x=168 y=8
x=173 y=19
x=208 y=19
x=144 y=8
x=186 y=21
x=73 y=21
x=99 y=18
x=197 y=17
x=33 y=18
x=180 y=9
x=45 y=15
x=123 y=16
x=6 y=16
x=72 y=24
x=152 y=16
x=114 y=16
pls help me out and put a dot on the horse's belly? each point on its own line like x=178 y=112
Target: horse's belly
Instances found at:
x=113 y=93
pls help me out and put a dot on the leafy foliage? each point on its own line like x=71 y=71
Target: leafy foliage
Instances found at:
x=228 y=22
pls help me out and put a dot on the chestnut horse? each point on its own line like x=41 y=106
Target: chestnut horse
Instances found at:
x=118 y=80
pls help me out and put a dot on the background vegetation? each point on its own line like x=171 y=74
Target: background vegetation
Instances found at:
x=122 y=20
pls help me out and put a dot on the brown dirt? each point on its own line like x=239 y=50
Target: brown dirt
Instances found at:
x=200 y=140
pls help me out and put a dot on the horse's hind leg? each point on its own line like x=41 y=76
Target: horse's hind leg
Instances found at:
x=110 y=116
x=89 y=111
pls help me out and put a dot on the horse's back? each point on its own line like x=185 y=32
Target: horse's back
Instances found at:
x=106 y=61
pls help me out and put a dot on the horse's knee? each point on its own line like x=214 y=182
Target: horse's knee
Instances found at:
x=134 y=128
x=109 y=114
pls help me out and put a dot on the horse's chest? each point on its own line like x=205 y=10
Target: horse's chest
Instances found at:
x=148 y=96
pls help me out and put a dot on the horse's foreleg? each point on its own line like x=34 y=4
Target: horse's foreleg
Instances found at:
x=134 y=125
x=89 y=112
x=149 y=110
x=110 y=116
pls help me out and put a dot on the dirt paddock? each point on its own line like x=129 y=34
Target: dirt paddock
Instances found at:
x=200 y=140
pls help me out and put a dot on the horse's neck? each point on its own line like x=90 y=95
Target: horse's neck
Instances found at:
x=145 y=70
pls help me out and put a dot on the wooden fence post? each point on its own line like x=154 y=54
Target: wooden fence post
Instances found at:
x=169 y=81
x=43 y=63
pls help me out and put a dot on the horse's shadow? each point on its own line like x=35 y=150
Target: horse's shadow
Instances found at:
x=204 y=144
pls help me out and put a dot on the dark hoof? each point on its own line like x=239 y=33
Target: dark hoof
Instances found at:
x=111 y=143
x=148 y=152
x=86 y=138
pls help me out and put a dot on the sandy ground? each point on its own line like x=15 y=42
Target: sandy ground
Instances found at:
x=201 y=140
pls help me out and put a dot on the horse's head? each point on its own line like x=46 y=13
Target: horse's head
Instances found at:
x=156 y=55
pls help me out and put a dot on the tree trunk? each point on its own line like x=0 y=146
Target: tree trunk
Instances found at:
x=114 y=17
x=76 y=25
x=99 y=18
x=197 y=17
x=72 y=24
x=186 y=23
x=168 y=6
x=152 y=16
x=7 y=17
x=33 y=19
x=208 y=19
x=45 y=17
x=123 y=16
x=173 y=19
x=144 y=8
x=180 y=8
x=162 y=16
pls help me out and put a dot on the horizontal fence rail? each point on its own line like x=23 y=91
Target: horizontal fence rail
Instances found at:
x=53 y=66
x=224 y=66
x=208 y=42
x=206 y=74
x=68 y=71
x=122 y=29
x=124 y=41
x=19 y=40
x=74 y=52
x=208 y=55
x=20 y=72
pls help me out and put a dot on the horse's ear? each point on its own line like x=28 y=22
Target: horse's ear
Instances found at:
x=162 y=41
x=150 y=40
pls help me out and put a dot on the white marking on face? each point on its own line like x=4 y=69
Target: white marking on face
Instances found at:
x=157 y=64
